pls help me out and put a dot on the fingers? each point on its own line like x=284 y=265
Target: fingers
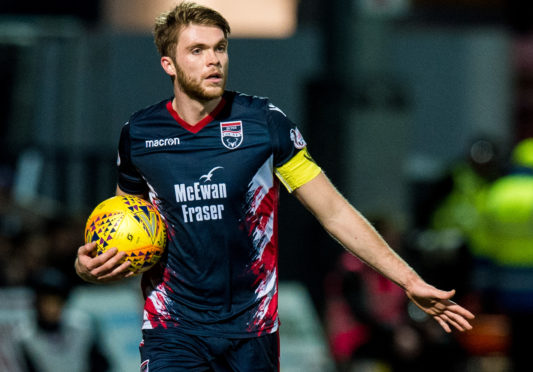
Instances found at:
x=105 y=260
x=455 y=321
x=443 y=324
x=106 y=267
x=453 y=315
x=85 y=250
x=458 y=321
x=444 y=295
x=460 y=310
x=108 y=262
x=119 y=272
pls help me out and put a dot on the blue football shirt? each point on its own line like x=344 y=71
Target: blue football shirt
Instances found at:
x=214 y=185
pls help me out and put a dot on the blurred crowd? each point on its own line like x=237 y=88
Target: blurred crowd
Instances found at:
x=39 y=333
x=31 y=240
x=472 y=231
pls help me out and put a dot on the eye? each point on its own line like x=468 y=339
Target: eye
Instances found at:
x=196 y=51
x=221 y=48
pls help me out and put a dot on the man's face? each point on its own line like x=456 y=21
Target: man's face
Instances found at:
x=201 y=62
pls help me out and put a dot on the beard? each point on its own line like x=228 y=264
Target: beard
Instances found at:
x=194 y=88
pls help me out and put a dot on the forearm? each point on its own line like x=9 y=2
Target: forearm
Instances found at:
x=360 y=238
x=345 y=224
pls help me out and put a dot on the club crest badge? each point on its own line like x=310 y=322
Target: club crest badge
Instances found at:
x=231 y=134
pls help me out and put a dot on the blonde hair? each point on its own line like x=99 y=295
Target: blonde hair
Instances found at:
x=169 y=24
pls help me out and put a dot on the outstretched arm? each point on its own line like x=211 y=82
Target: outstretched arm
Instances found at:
x=358 y=236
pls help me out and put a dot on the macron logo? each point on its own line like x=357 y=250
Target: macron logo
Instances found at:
x=162 y=142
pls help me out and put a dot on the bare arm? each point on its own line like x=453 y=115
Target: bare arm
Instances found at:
x=356 y=235
x=105 y=267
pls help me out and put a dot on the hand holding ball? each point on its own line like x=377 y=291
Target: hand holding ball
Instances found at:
x=129 y=224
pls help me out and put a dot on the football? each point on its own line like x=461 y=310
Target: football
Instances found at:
x=130 y=224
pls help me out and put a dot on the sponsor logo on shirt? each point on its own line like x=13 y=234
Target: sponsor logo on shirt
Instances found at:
x=203 y=191
x=162 y=142
x=231 y=134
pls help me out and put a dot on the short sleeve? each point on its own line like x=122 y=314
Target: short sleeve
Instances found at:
x=293 y=165
x=286 y=138
x=129 y=179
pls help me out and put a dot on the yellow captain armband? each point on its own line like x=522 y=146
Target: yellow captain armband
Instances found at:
x=299 y=170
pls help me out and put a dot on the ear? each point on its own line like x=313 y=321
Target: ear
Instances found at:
x=168 y=66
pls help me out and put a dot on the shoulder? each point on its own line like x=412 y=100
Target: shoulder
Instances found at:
x=255 y=105
x=150 y=111
x=249 y=102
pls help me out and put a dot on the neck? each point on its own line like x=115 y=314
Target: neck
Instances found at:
x=193 y=110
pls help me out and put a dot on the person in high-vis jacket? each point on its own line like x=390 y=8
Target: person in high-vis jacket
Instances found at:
x=508 y=242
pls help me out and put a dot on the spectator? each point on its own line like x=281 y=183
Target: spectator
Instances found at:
x=508 y=242
x=58 y=340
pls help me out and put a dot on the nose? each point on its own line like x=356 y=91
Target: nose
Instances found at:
x=212 y=58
